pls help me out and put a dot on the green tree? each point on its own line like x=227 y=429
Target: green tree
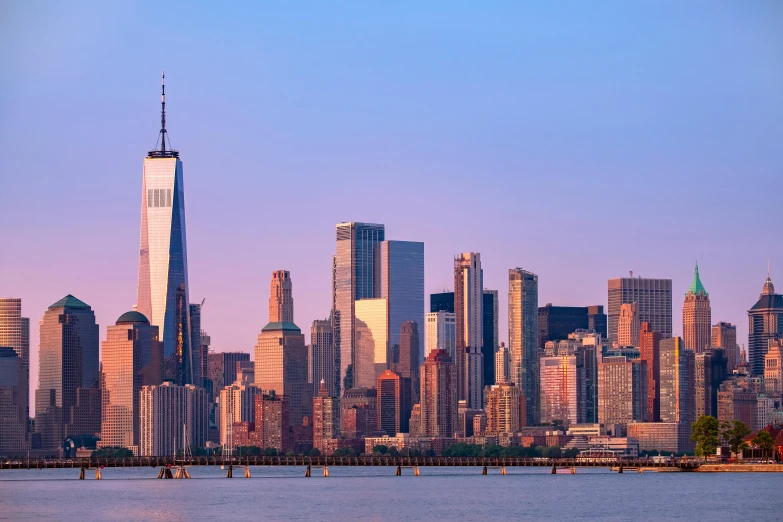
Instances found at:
x=314 y=452
x=270 y=452
x=764 y=441
x=734 y=433
x=345 y=452
x=393 y=451
x=114 y=451
x=380 y=449
x=704 y=432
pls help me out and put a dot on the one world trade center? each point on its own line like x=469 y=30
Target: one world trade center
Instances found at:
x=163 y=295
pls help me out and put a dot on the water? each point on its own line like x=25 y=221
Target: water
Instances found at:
x=351 y=493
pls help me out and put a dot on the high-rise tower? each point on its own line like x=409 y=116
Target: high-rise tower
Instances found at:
x=653 y=298
x=163 y=262
x=697 y=316
x=468 y=307
x=15 y=333
x=281 y=301
x=765 y=323
x=523 y=338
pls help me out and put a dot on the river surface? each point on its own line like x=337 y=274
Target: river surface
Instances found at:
x=351 y=493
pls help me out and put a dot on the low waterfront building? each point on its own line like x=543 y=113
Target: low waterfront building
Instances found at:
x=674 y=437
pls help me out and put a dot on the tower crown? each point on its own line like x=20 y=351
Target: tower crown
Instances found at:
x=160 y=150
x=696 y=286
x=769 y=288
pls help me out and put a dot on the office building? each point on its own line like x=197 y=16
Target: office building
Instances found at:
x=13 y=403
x=222 y=368
x=405 y=357
x=523 y=338
x=15 y=333
x=441 y=332
x=354 y=278
x=505 y=409
x=438 y=407
x=394 y=404
x=359 y=412
x=677 y=378
x=737 y=403
x=468 y=308
x=68 y=363
x=442 y=302
x=555 y=323
x=649 y=350
x=489 y=342
x=628 y=325
x=622 y=390
x=773 y=369
x=400 y=280
x=596 y=320
x=653 y=298
x=326 y=418
x=503 y=365
x=321 y=359
x=371 y=339
x=697 y=316
x=724 y=335
x=562 y=381
x=163 y=295
x=237 y=404
x=273 y=426
x=198 y=353
x=281 y=299
x=172 y=418
x=765 y=323
x=674 y=437
x=131 y=357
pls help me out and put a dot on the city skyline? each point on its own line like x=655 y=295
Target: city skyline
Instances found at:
x=223 y=259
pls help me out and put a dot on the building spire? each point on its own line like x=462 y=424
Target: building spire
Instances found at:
x=696 y=285
x=163 y=112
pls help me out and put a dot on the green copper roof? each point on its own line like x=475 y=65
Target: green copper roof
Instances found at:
x=285 y=326
x=132 y=317
x=70 y=301
x=696 y=286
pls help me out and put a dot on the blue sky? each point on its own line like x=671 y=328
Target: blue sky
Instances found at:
x=578 y=140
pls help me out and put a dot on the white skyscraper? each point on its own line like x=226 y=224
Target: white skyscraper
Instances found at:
x=468 y=299
x=441 y=333
x=163 y=295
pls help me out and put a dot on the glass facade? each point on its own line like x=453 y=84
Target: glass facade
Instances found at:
x=372 y=352
x=677 y=379
x=489 y=341
x=15 y=333
x=441 y=333
x=523 y=338
x=354 y=278
x=163 y=266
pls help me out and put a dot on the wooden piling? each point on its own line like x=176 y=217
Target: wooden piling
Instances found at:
x=230 y=472
x=81 y=474
x=307 y=471
x=97 y=473
x=484 y=471
x=399 y=471
x=247 y=471
x=326 y=471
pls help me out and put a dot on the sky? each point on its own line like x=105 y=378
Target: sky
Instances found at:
x=579 y=140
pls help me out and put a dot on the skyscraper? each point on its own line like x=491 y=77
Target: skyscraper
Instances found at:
x=171 y=418
x=438 y=395
x=724 y=335
x=596 y=320
x=523 y=338
x=442 y=333
x=489 y=343
x=354 y=278
x=555 y=323
x=628 y=326
x=622 y=390
x=653 y=298
x=562 y=381
x=697 y=316
x=502 y=365
x=773 y=370
x=400 y=280
x=326 y=418
x=442 y=302
x=68 y=367
x=372 y=353
x=322 y=355
x=765 y=323
x=237 y=405
x=405 y=358
x=222 y=368
x=468 y=304
x=13 y=402
x=15 y=333
x=394 y=405
x=163 y=295
x=649 y=350
x=504 y=409
x=131 y=357
x=677 y=382
x=281 y=300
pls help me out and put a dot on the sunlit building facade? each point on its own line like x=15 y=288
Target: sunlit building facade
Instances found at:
x=628 y=326
x=523 y=338
x=469 y=316
x=15 y=333
x=322 y=356
x=622 y=390
x=677 y=382
x=441 y=333
x=13 y=403
x=172 y=418
x=724 y=335
x=131 y=357
x=505 y=409
x=653 y=298
x=371 y=356
x=163 y=294
x=765 y=323
x=438 y=407
x=697 y=316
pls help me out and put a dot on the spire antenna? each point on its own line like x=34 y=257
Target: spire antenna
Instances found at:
x=163 y=112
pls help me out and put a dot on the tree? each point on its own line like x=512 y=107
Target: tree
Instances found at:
x=248 y=451
x=734 y=432
x=270 y=452
x=764 y=441
x=314 y=452
x=114 y=451
x=393 y=451
x=344 y=452
x=704 y=432
x=380 y=449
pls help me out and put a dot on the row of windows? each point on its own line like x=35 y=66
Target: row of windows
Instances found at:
x=158 y=198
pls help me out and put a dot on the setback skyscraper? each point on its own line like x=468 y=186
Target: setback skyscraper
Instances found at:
x=697 y=316
x=163 y=262
x=523 y=338
x=468 y=304
x=68 y=373
x=322 y=355
x=354 y=278
x=15 y=333
x=765 y=321
x=654 y=300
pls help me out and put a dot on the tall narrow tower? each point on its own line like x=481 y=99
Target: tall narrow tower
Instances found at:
x=523 y=338
x=468 y=302
x=281 y=301
x=163 y=295
x=697 y=316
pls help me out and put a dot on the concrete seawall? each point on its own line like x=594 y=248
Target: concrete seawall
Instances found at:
x=746 y=468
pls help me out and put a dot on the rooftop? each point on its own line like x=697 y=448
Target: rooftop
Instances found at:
x=132 y=317
x=696 y=286
x=70 y=301
x=278 y=326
